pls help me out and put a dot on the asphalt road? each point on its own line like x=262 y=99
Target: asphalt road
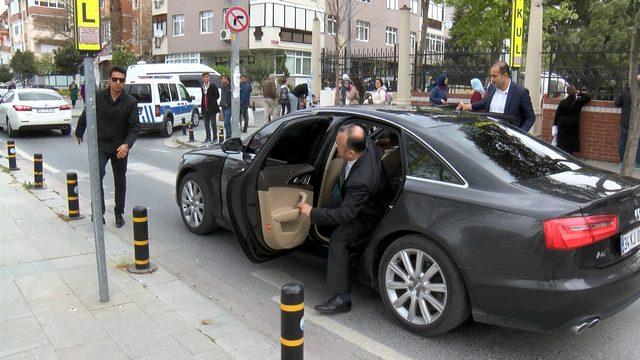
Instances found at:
x=216 y=266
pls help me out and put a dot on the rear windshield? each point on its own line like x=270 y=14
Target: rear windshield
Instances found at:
x=142 y=92
x=506 y=152
x=35 y=96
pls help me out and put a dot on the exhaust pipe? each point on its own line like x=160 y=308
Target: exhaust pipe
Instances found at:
x=588 y=324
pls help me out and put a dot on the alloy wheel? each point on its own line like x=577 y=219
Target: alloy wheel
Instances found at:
x=192 y=203
x=169 y=127
x=416 y=287
x=195 y=119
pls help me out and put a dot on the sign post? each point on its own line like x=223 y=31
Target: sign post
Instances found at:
x=237 y=20
x=87 y=41
x=517 y=33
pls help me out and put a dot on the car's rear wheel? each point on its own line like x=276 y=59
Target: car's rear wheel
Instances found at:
x=420 y=284
x=9 y=129
x=167 y=127
x=195 y=118
x=195 y=207
x=66 y=130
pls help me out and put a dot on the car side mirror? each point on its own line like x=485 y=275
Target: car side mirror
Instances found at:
x=232 y=146
x=193 y=97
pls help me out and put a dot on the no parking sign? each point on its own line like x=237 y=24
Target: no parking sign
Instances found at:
x=237 y=19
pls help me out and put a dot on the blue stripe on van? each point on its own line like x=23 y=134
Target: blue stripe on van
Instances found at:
x=149 y=114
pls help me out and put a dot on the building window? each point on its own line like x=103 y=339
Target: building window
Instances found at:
x=50 y=3
x=182 y=58
x=365 y=1
x=206 y=22
x=297 y=36
x=159 y=24
x=392 y=4
x=178 y=25
x=362 y=30
x=332 y=23
x=414 y=6
x=224 y=21
x=412 y=42
x=134 y=4
x=17 y=29
x=391 y=36
x=436 y=11
x=61 y=27
x=298 y=62
x=435 y=43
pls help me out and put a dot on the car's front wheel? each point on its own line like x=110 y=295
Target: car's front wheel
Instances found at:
x=66 y=130
x=195 y=207
x=422 y=287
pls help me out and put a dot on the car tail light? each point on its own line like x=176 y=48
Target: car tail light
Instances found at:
x=65 y=107
x=22 y=107
x=574 y=232
x=157 y=110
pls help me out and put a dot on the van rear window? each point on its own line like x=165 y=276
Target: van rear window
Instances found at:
x=142 y=92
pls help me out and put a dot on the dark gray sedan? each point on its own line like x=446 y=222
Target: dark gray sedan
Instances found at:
x=483 y=220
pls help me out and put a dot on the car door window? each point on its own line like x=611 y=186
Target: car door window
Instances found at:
x=260 y=138
x=184 y=95
x=298 y=144
x=422 y=163
x=8 y=97
x=174 y=92
x=163 y=92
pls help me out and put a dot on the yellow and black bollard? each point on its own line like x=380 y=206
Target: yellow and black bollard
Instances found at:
x=11 y=154
x=184 y=127
x=220 y=128
x=38 y=176
x=292 y=322
x=191 y=138
x=141 y=243
x=72 y=197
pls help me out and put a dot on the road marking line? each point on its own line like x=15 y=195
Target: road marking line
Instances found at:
x=30 y=158
x=278 y=278
x=154 y=172
x=162 y=151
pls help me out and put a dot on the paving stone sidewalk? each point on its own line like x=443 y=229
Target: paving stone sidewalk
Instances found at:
x=49 y=302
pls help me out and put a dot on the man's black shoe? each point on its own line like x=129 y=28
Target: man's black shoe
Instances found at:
x=119 y=221
x=337 y=304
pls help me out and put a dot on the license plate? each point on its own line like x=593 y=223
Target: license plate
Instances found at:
x=630 y=240
x=45 y=110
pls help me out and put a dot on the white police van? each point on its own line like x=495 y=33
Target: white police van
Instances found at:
x=163 y=102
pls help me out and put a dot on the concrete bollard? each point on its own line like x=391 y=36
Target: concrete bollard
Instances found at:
x=184 y=127
x=142 y=264
x=73 y=197
x=11 y=154
x=38 y=176
x=292 y=322
x=191 y=138
x=220 y=129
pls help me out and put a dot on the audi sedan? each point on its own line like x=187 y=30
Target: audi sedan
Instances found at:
x=35 y=109
x=483 y=220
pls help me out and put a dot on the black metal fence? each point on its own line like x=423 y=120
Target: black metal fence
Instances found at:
x=602 y=71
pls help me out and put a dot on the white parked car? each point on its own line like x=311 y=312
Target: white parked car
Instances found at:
x=36 y=109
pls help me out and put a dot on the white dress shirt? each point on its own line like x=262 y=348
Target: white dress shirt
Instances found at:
x=499 y=100
x=347 y=168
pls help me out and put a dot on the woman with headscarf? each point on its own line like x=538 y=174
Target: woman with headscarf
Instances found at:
x=439 y=91
x=478 y=90
x=567 y=119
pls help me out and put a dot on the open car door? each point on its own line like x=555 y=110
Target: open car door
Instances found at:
x=263 y=200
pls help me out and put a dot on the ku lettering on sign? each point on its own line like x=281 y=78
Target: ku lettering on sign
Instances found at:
x=517 y=30
x=87 y=34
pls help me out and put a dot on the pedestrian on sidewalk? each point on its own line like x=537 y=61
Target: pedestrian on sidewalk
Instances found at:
x=440 y=91
x=624 y=101
x=245 y=99
x=567 y=119
x=270 y=98
x=117 y=127
x=301 y=92
x=519 y=105
x=285 y=102
x=82 y=93
x=225 y=104
x=379 y=96
x=210 y=109
x=73 y=93
x=478 y=90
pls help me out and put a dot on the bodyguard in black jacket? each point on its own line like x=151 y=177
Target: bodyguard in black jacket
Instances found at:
x=117 y=126
x=358 y=209
x=209 y=105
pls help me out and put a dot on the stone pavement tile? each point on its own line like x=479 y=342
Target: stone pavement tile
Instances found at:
x=12 y=304
x=251 y=345
x=41 y=353
x=54 y=246
x=83 y=281
x=66 y=322
x=218 y=354
x=129 y=286
x=171 y=354
x=100 y=350
x=186 y=334
x=20 y=335
x=35 y=226
x=152 y=305
x=158 y=277
x=20 y=211
x=9 y=228
x=134 y=331
x=176 y=293
x=18 y=251
x=74 y=261
x=42 y=286
x=18 y=270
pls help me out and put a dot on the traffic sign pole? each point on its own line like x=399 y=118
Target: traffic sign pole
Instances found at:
x=87 y=41
x=237 y=20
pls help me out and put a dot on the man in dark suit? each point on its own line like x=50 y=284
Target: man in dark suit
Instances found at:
x=505 y=97
x=209 y=105
x=357 y=207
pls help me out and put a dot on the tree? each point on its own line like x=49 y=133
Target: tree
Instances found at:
x=116 y=23
x=123 y=56
x=337 y=10
x=45 y=65
x=5 y=73
x=422 y=46
x=222 y=70
x=24 y=64
x=67 y=59
x=634 y=86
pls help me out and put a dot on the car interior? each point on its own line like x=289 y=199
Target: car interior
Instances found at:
x=287 y=177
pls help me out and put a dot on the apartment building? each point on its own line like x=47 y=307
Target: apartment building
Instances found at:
x=40 y=26
x=5 y=39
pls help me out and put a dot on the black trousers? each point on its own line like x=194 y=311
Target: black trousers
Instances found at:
x=119 y=167
x=338 y=261
x=244 y=114
x=209 y=123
